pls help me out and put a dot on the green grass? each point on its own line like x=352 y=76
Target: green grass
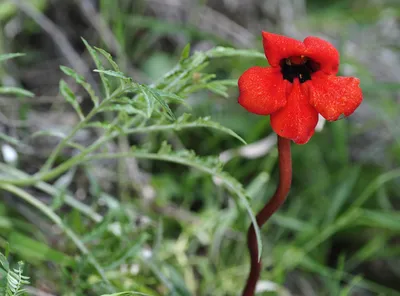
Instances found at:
x=146 y=206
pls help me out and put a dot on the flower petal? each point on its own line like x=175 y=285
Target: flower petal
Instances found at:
x=333 y=96
x=262 y=90
x=324 y=53
x=278 y=47
x=297 y=120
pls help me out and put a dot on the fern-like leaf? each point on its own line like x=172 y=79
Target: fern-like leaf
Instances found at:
x=12 y=279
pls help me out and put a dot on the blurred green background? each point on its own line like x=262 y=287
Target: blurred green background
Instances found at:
x=172 y=230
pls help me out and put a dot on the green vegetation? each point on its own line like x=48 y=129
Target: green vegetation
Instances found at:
x=114 y=178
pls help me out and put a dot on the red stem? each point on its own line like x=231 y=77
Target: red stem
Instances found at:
x=285 y=180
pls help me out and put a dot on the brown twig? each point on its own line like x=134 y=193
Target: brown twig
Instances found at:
x=285 y=180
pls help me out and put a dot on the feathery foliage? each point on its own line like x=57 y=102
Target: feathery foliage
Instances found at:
x=128 y=108
x=12 y=280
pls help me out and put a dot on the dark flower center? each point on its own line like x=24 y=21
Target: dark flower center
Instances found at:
x=298 y=67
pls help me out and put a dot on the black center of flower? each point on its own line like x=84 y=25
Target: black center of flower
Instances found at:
x=298 y=67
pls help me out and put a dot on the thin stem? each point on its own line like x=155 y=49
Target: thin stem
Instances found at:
x=285 y=180
x=53 y=191
x=50 y=161
x=58 y=221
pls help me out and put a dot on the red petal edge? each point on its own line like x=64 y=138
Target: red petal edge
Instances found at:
x=262 y=90
x=278 y=47
x=333 y=96
x=324 y=53
x=297 y=120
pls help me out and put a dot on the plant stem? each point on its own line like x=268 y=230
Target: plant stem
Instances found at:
x=53 y=191
x=58 y=221
x=50 y=161
x=285 y=180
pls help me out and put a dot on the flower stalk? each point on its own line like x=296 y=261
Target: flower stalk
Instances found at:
x=279 y=197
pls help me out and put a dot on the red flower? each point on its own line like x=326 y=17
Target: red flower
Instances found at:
x=300 y=83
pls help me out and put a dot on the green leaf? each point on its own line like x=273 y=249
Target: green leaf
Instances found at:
x=8 y=56
x=16 y=281
x=172 y=96
x=31 y=249
x=220 y=51
x=126 y=294
x=69 y=95
x=100 y=124
x=342 y=194
x=178 y=78
x=109 y=59
x=57 y=220
x=185 y=52
x=113 y=74
x=149 y=100
x=81 y=81
x=183 y=122
x=380 y=219
x=4 y=262
x=209 y=165
x=16 y=91
x=128 y=109
x=99 y=65
x=132 y=252
x=217 y=88
x=164 y=105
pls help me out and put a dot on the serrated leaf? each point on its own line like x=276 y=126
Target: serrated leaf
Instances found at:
x=13 y=280
x=165 y=148
x=109 y=59
x=81 y=81
x=8 y=56
x=99 y=65
x=178 y=77
x=163 y=104
x=69 y=95
x=149 y=100
x=16 y=91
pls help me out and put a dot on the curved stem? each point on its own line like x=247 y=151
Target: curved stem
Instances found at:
x=285 y=180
